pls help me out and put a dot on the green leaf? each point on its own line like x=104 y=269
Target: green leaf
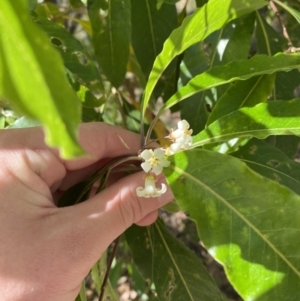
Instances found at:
x=236 y=70
x=265 y=119
x=238 y=45
x=248 y=223
x=98 y=273
x=292 y=11
x=32 y=77
x=287 y=144
x=243 y=94
x=207 y=19
x=111 y=37
x=82 y=293
x=178 y=273
x=150 y=28
x=141 y=247
x=75 y=57
x=270 y=42
x=271 y=163
x=161 y=2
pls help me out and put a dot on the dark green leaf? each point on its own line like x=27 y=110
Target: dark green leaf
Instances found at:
x=292 y=11
x=271 y=163
x=75 y=57
x=287 y=144
x=265 y=119
x=141 y=247
x=178 y=273
x=238 y=45
x=248 y=223
x=207 y=19
x=243 y=94
x=270 y=42
x=111 y=37
x=32 y=77
x=150 y=28
x=161 y=2
x=76 y=3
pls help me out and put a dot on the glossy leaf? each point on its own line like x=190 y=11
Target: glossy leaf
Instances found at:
x=75 y=57
x=207 y=19
x=111 y=37
x=248 y=223
x=271 y=163
x=243 y=94
x=150 y=28
x=235 y=70
x=178 y=273
x=261 y=121
x=45 y=95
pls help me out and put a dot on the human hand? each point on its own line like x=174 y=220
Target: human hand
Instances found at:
x=46 y=251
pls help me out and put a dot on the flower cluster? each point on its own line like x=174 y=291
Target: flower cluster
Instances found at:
x=155 y=160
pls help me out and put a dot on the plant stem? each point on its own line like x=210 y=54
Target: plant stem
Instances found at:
x=284 y=30
x=102 y=291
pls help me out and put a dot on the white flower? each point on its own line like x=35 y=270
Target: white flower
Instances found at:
x=181 y=137
x=154 y=160
x=150 y=189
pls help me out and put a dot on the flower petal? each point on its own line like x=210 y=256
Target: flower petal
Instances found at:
x=147 y=154
x=146 y=166
x=157 y=169
x=159 y=153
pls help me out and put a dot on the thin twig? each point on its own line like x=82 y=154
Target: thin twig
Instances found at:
x=284 y=30
x=102 y=291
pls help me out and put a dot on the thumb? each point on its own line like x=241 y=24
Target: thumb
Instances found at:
x=101 y=219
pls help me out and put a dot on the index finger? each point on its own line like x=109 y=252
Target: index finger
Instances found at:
x=101 y=140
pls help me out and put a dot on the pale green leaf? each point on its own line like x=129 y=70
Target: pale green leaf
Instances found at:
x=248 y=223
x=271 y=163
x=207 y=19
x=265 y=119
x=32 y=77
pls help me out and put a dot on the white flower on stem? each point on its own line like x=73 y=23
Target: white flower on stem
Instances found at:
x=182 y=138
x=154 y=160
x=150 y=189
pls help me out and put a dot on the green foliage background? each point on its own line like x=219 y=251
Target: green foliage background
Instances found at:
x=227 y=67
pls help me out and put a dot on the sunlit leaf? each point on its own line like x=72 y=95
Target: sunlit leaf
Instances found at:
x=32 y=77
x=207 y=19
x=248 y=223
x=271 y=163
x=235 y=70
x=243 y=94
x=265 y=119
